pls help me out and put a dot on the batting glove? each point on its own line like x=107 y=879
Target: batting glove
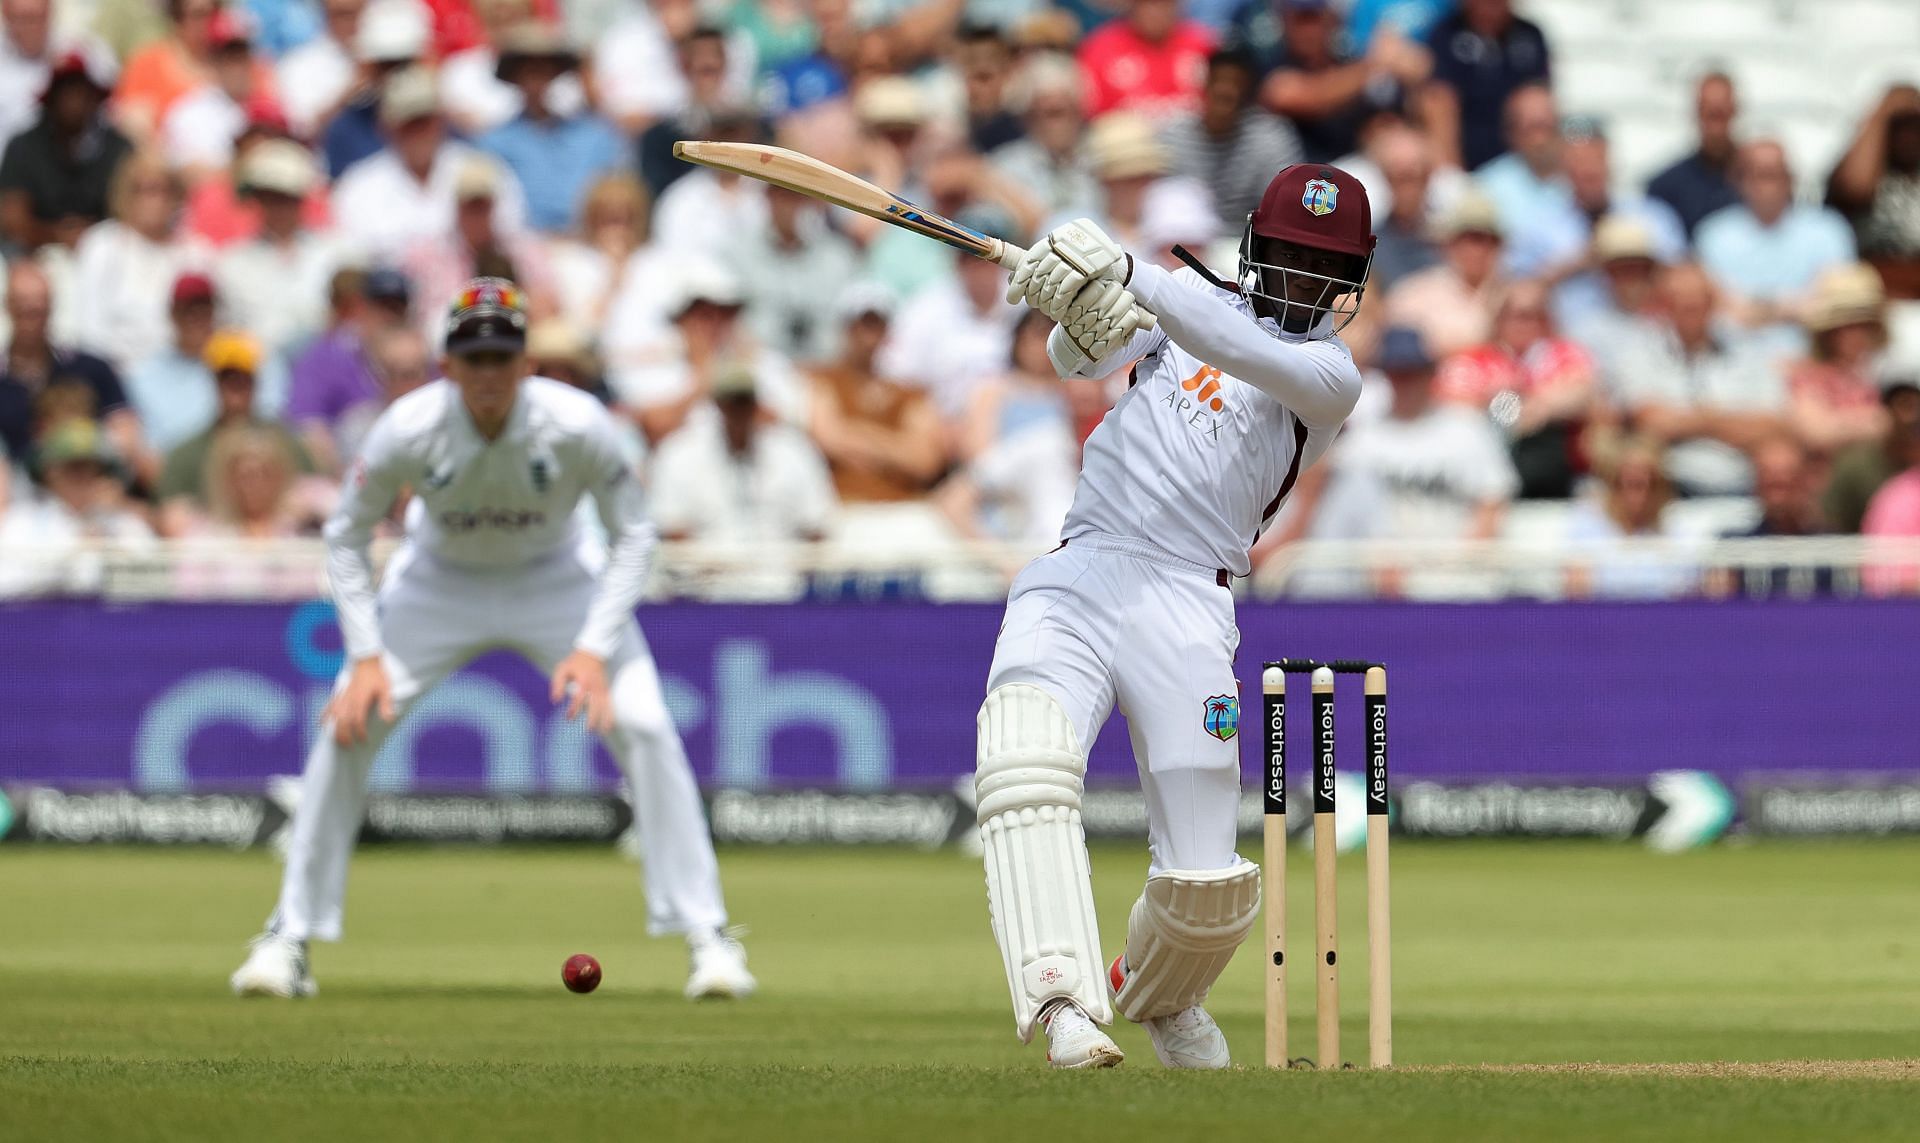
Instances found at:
x=1102 y=317
x=1059 y=265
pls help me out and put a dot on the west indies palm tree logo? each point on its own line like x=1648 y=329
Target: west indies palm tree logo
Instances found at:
x=1223 y=716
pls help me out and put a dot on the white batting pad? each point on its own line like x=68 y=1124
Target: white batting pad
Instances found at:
x=1180 y=936
x=1028 y=778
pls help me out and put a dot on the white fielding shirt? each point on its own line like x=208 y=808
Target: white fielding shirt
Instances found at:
x=501 y=504
x=1224 y=412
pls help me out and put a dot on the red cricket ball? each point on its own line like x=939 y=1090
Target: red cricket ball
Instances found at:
x=581 y=973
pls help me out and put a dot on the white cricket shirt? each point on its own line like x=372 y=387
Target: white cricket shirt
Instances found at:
x=501 y=504
x=1224 y=411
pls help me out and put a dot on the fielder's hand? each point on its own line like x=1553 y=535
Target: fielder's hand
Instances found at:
x=367 y=689
x=1064 y=260
x=1102 y=317
x=581 y=678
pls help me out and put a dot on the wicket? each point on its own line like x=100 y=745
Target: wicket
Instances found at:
x=1273 y=685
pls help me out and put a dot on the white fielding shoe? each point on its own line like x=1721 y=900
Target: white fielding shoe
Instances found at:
x=1188 y=1039
x=1075 y=1041
x=719 y=969
x=277 y=966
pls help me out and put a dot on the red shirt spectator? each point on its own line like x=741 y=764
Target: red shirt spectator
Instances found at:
x=1150 y=61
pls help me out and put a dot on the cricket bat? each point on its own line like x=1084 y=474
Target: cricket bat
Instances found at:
x=809 y=176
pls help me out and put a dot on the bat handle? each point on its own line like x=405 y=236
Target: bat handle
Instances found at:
x=1009 y=255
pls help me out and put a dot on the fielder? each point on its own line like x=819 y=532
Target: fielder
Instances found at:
x=497 y=462
x=1237 y=388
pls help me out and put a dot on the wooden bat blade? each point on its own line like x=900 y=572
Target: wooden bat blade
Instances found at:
x=807 y=175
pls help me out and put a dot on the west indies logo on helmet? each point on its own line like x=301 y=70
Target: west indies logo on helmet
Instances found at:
x=1307 y=250
x=488 y=315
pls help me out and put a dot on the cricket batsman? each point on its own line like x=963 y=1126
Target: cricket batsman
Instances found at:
x=497 y=462
x=1237 y=387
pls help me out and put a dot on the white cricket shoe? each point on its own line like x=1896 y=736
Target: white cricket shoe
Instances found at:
x=1075 y=1041
x=1188 y=1039
x=277 y=966
x=719 y=969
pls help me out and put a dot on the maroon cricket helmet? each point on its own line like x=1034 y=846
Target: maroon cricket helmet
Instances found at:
x=1319 y=206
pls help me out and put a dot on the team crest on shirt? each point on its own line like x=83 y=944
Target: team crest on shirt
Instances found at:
x=1223 y=716
x=437 y=477
x=1320 y=198
x=542 y=474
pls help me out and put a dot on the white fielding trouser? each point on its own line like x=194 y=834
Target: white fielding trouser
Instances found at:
x=433 y=620
x=1105 y=620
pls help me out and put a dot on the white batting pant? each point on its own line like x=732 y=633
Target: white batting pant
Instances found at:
x=433 y=620
x=1105 y=620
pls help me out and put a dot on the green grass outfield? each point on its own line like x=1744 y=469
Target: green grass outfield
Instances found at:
x=883 y=1014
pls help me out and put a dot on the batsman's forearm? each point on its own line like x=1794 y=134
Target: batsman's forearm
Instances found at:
x=1210 y=329
x=628 y=564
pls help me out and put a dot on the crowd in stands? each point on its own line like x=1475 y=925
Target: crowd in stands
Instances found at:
x=230 y=229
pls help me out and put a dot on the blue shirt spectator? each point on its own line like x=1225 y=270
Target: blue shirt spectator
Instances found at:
x=352 y=135
x=1413 y=19
x=281 y=25
x=1529 y=182
x=555 y=157
x=1767 y=250
x=1318 y=77
x=1481 y=56
x=1702 y=182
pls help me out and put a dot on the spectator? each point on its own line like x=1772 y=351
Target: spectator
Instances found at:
x=219 y=214
x=1413 y=19
x=740 y=477
x=317 y=77
x=56 y=175
x=555 y=157
x=34 y=368
x=475 y=91
x=1529 y=181
x=1684 y=382
x=409 y=188
x=1425 y=470
x=30 y=47
x=1128 y=159
x=1789 y=507
x=1536 y=385
x=702 y=57
x=83 y=500
x=883 y=441
x=333 y=375
x=473 y=247
x=1403 y=235
x=1632 y=507
x=985 y=61
x=556 y=349
x=1231 y=145
x=185 y=487
x=1482 y=54
x=589 y=269
x=958 y=182
x=1326 y=90
x=706 y=209
x=798 y=265
x=671 y=383
x=1877 y=187
x=1049 y=161
x=1835 y=391
x=199 y=130
x=1177 y=212
x=1452 y=304
x=1627 y=271
x=173 y=389
x=1149 y=61
x=275 y=285
x=1018 y=452
x=633 y=65
x=124 y=267
x=251 y=476
x=956 y=332
x=1860 y=470
x=161 y=72
x=1767 y=251
x=1558 y=246
x=1702 y=183
x=1894 y=514
x=398 y=361
x=392 y=39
